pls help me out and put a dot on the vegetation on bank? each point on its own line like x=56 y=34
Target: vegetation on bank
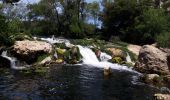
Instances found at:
x=133 y=21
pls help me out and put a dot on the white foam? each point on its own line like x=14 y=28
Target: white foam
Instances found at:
x=90 y=58
x=12 y=61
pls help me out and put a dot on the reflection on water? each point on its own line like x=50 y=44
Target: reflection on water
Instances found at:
x=73 y=83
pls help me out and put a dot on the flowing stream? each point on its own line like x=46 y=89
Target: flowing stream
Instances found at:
x=77 y=82
x=13 y=61
x=89 y=58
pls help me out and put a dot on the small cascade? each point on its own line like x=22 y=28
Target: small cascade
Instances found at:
x=128 y=59
x=12 y=60
x=54 y=40
x=105 y=57
x=90 y=58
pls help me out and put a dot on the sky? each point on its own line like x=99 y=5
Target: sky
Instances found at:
x=35 y=1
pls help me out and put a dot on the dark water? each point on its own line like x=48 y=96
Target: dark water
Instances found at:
x=72 y=83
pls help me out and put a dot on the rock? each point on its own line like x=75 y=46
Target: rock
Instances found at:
x=151 y=78
x=116 y=52
x=167 y=79
x=75 y=54
x=98 y=53
x=152 y=60
x=117 y=60
x=46 y=60
x=107 y=71
x=134 y=49
x=4 y=62
x=29 y=50
x=59 y=61
x=162 y=96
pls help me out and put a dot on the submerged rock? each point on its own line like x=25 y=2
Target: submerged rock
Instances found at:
x=29 y=50
x=152 y=60
x=162 y=96
x=107 y=71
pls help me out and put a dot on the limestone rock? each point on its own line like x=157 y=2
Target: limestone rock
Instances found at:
x=116 y=52
x=29 y=50
x=152 y=60
x=134 y=49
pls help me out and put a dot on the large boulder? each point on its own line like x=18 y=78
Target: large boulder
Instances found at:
x=30 y=50
x=152 y=60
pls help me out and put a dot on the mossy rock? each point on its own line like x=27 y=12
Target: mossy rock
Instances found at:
x=117 y=60
x=59 y=61
x=60 y=53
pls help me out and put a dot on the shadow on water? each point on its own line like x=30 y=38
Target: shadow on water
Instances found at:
x=72 y=83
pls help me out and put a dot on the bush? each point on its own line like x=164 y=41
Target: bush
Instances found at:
x=163 y=39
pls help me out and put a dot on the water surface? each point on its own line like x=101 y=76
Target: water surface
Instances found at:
x=73 y=83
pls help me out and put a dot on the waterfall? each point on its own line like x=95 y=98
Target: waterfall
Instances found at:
x=12 y=60
x=128 y=59
x=90 y=58
x=105 y=57
x=54 y=40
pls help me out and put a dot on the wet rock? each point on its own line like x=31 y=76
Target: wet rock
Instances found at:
x=98 y=53
x=162 y=96
x=107 y=71
x=152 y=60
x=4 y=62
x=59 y=61
x=117 y=60
x=29 y=50
x=151 y=78
x=75 y=55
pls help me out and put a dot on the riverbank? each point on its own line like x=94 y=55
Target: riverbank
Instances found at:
x=85 y=52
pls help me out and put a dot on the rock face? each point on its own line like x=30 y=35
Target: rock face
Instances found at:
x=162 y=96
x=152 y=60
x=29 y=50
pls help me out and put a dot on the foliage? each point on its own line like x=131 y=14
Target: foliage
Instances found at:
x=147 y=26
x=134 y=21
x=163 y=39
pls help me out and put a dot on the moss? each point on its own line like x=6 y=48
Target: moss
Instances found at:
x=117 y=60
x=128 y=64
x=42 y=57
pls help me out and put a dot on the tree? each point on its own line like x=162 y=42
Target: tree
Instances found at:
x=93 y=9
x=134 y=21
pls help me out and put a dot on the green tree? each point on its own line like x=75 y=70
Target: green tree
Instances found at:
x=93 y=9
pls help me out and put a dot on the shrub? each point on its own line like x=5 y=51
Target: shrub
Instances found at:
x=163 y=39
